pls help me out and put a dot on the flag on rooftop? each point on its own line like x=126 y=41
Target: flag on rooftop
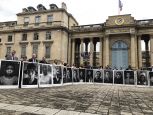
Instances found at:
x=120 y=5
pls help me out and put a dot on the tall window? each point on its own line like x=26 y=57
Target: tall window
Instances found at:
x=48 y=35
x=47 y=53
x=49 y=18
x=23 y=50
x=9 y=38
x=35 y=49
x=37 y=20
x=36 y=36
x=8 y=50
x=24 y=37
x=26 y=21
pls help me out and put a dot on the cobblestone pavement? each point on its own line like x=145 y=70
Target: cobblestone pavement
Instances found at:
x=83 y=99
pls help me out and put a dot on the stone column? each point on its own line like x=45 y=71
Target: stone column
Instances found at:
x=139 y=51
x=91 y=51
x=73 y=51
x=69 y=61
x=100 y=52
x=81 y=51
x=106 y=51
x=151 y=49
x=133 y=51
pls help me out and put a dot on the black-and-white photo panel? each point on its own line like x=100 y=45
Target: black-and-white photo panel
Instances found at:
x=129 y=77
x=75 y=75
x=69 y=75
x=82 y=74
x=46 y=75
x=30 y=75
x=89 y=76
x=57 y=75
x=9 y=74
x=64 y=74
x=98 y=76
x=108 y=76
x=118 y=77
x=142 y=78
x=151 y=78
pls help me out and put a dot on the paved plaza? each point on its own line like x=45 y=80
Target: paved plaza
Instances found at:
x=81 y=99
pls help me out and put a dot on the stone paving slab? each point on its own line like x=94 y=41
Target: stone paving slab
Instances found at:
x=80 y=99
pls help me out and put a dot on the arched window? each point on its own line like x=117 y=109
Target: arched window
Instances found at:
x=119 y=55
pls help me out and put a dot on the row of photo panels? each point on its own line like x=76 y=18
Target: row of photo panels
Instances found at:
x=14 y=74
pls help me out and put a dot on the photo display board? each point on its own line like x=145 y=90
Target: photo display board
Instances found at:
x=142 y=78
x=30 y=75
x=57 y=75
x=129 y=78
x=46 y=75
x=118 y=77
x=9 y=73
x=89 y=76
x=98 y=76
x=108 y=76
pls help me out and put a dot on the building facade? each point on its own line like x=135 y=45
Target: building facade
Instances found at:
x=55 y=34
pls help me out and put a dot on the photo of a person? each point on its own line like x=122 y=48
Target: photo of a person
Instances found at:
x=142 y=78
x=82 y=75
x=57 y=75
x=98 y=77
x=64 y=74
x=45 y=74
x=75 y=75
x=89 y=75
x=118 y=77
x=151 y=78
x=129 y=77
x=9 y=72
x=30 y=73
x=108 y=76
x=69 y=75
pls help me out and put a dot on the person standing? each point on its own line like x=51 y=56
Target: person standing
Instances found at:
x=11 y=56
x=34 y=58
x=43 y=60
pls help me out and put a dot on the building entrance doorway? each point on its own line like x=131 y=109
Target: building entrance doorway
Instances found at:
x=119 y=55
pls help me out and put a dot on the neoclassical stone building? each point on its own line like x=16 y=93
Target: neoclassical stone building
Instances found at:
x=55 y=34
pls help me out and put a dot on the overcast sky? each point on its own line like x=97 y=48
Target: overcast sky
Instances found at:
x=85 y=11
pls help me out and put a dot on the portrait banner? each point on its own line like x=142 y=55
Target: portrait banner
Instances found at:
x=108 y=76
x=46 y=75
x=98 y=75
x=75 y=75
x=30 y=75
x=151 y=78
x=142 y=78
x=57 y=75
x=129 y=78
x=89 y=76
x=9 y=73
x=118 y=76
x=69 y=75
x=82 y=75
x=64 y=75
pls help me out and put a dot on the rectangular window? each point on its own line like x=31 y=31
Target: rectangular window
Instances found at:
x=49 y=19
x=8 y=50
x=35 y=49
x=24 y=37
x=9 y=38
x=47 y=53
x=26 y=21
x=37 y=20
x=48 y=35
x=36 y=36
x=23 y=50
